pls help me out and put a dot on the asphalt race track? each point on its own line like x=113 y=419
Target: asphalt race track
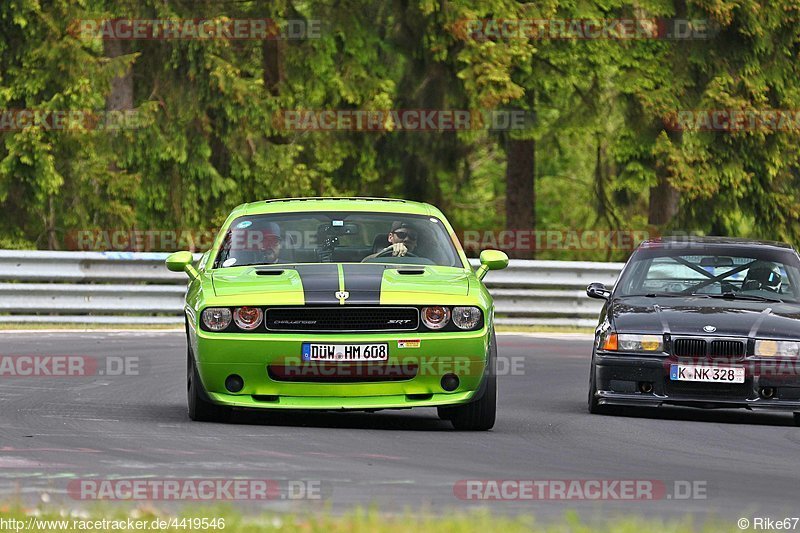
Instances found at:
x=54 y=430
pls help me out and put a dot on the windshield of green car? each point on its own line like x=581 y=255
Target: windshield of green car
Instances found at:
x=765 y=274
x=337 y=237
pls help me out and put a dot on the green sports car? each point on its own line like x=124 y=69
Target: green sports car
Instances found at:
x=340 y=304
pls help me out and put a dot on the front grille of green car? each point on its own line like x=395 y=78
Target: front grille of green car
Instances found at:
x=342 y=319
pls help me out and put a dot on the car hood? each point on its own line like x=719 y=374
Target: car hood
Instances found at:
x=318 y=284
x=688 y=316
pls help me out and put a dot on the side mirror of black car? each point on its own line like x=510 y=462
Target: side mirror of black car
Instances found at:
x=598 y=290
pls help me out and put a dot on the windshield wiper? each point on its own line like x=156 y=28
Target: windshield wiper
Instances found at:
x=748 y=297
x=668 y=295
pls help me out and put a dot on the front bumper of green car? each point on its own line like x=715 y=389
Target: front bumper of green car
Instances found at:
x=418 y=372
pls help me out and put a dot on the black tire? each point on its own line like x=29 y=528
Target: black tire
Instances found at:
x=445 y=413
x=201 y=409
x=478 y=415
x=594 y=406
x=797 y=419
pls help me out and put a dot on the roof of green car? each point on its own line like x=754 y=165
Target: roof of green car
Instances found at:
x=385 y=205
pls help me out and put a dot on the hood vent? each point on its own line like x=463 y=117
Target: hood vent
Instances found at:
x=411 y=271
x=269 y=272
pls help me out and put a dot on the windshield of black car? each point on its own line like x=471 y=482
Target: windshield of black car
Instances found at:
x=337 y=237
x=768 y=274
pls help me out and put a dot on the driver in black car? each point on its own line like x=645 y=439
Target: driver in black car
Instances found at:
x=402 y=240
x=763 y=275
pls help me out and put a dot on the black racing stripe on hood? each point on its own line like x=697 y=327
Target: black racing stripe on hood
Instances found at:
x=320 y=283
x=363 y=282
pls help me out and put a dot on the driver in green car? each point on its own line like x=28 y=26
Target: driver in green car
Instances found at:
x=259 y=244
x=270 y=242
x=402 y=240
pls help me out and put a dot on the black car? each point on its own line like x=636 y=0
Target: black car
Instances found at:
x=703 y=322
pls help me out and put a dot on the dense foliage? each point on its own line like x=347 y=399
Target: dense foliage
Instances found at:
x=603 y=151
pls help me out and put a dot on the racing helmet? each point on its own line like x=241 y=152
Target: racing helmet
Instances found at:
x=763 y=275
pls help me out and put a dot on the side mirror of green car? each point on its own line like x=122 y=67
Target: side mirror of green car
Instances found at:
x=182 y=262
x=491 y=260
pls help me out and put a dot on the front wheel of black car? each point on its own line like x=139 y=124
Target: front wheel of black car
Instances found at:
x=797 y=419
x=594 y=406
x=200 y=407
x=480 y=414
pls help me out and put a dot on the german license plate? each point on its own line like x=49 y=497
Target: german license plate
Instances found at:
x=713 y=374
x=345 y=352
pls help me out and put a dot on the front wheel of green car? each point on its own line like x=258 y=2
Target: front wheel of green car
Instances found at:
x=200 y=407
x=480 y=414
x=445 y=413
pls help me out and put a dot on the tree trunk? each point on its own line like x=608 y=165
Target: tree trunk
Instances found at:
x=52 y=240
x=415 y=176
x=272 y=52
x=119 y=99
x=121 y=96
x=664 y=198
x=273 y=74
x=520 y=191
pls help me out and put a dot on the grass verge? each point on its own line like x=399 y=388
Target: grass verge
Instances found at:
x=16 y=518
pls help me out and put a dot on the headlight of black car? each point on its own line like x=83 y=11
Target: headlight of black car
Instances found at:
x=627 y=342
x=770 y=348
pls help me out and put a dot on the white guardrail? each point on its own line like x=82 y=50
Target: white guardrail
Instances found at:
x=136 y=288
